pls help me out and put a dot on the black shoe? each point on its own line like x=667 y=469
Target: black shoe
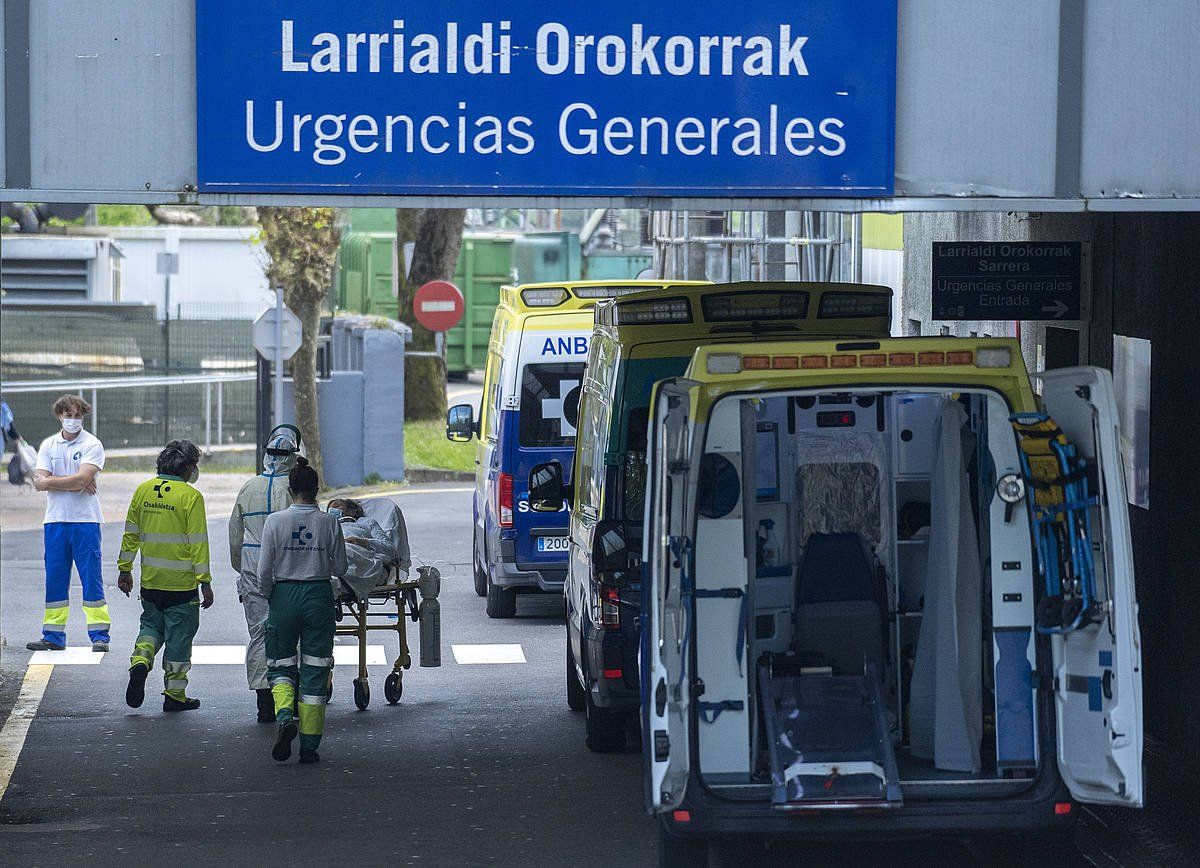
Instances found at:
x=172 y=704
x=309 y=756
x=283 y=742
x=43 y=645
x=266 y=706
x=135 y=693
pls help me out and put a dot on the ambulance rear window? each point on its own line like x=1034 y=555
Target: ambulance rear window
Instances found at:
x=549 y=408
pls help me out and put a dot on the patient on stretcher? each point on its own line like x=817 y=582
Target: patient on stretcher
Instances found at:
x=376 y=545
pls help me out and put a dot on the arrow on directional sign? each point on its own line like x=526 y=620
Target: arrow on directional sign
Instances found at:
x=1057 y=309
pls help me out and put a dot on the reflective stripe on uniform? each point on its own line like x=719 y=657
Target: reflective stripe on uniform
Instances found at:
x=176 y=665
x=313 y=699
x=312 y=717
x=167 y=564
x=283 y=661
x=321 y=662
x=126 y=557
x=56 y=616
x=177 y=538
x=284 y=694
x=200 y=569
x=176 y=684
x=58 y=604
x=96 y=613
x=131 y=527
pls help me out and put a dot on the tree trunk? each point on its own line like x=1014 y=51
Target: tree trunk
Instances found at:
x=437 y=234
x=302 y=244
x=304 y=382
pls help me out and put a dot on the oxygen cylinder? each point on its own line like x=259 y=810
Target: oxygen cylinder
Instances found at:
x=430 y=615
x=431 y=632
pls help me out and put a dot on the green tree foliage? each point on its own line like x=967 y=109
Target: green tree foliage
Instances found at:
x=302 y=244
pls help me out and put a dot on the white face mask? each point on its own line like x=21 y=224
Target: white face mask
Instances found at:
x=335 y=513
x=195 y=475
x=72 y=426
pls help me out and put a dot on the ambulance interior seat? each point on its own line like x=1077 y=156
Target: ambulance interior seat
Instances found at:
x=839 y=614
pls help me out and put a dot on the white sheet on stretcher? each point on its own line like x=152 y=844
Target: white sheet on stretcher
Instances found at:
x=367 y=568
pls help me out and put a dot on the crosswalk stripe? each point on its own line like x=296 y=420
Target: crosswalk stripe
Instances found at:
x=470 y=654
x=79 y=655
x=207 y=655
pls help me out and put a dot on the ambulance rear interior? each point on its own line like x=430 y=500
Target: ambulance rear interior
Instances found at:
x=862 y=631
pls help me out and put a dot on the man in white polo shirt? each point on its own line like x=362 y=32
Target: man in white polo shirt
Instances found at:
x=67 y=466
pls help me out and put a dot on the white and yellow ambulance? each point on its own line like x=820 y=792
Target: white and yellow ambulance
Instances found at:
x=528 y=414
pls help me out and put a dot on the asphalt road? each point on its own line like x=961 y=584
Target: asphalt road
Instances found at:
x=478 y=765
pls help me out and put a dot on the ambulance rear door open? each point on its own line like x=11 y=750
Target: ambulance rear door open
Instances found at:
x=1097 y=669
x=666 y=630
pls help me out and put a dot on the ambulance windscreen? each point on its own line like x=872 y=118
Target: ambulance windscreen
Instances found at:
x=549 y=410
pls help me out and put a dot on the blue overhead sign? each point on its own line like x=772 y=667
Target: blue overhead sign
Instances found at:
x=528 y=98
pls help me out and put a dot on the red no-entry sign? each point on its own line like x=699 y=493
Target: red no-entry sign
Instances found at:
x=438 y=305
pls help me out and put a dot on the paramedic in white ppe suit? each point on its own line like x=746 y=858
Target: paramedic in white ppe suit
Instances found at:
x=259 y=497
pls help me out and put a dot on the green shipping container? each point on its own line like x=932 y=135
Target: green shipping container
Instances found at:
x=614 y=265
x=364 y=285
x=364 y=279
x=485 y=263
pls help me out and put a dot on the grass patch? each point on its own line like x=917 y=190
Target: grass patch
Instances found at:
x=425 y=445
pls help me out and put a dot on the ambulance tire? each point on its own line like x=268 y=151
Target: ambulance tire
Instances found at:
x=501 y=602
x=576 y=695
x=676 y=852
x=481 y=577
x=605 y=728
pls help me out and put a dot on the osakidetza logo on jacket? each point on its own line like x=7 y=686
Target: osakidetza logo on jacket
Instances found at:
x=301 y=537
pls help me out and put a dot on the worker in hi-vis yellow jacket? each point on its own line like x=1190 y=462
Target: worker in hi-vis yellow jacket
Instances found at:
x=167 y=523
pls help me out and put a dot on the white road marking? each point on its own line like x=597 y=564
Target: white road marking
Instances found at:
x=467 y=654
x=347 y=655
x=80 y=655
x=217 y=655
x=12 y=736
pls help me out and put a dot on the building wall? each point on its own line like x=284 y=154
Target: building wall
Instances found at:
x=220 y=269
x=1144 y=269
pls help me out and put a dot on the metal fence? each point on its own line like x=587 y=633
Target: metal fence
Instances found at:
x=98 y=342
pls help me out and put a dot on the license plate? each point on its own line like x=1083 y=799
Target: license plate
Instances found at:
x=553 y=543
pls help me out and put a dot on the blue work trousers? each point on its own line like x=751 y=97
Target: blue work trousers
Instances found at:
x=75 y=542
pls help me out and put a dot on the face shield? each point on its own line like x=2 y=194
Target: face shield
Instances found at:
x=281 y=449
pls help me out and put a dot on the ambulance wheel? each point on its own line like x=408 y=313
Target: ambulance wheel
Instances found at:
x=393 y=688
x=501 y=602
x=576 y=696
x=605 y=728
x=674 y=852
x=362 y=694
x=481 y=581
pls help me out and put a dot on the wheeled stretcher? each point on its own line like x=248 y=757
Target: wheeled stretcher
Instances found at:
x=388 y=605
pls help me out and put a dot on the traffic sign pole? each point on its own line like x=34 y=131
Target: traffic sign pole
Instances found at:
x=278 y=356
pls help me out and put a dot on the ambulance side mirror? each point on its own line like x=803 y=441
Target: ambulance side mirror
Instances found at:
x=610 y=550
x=460 y=423
x=546 y=490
